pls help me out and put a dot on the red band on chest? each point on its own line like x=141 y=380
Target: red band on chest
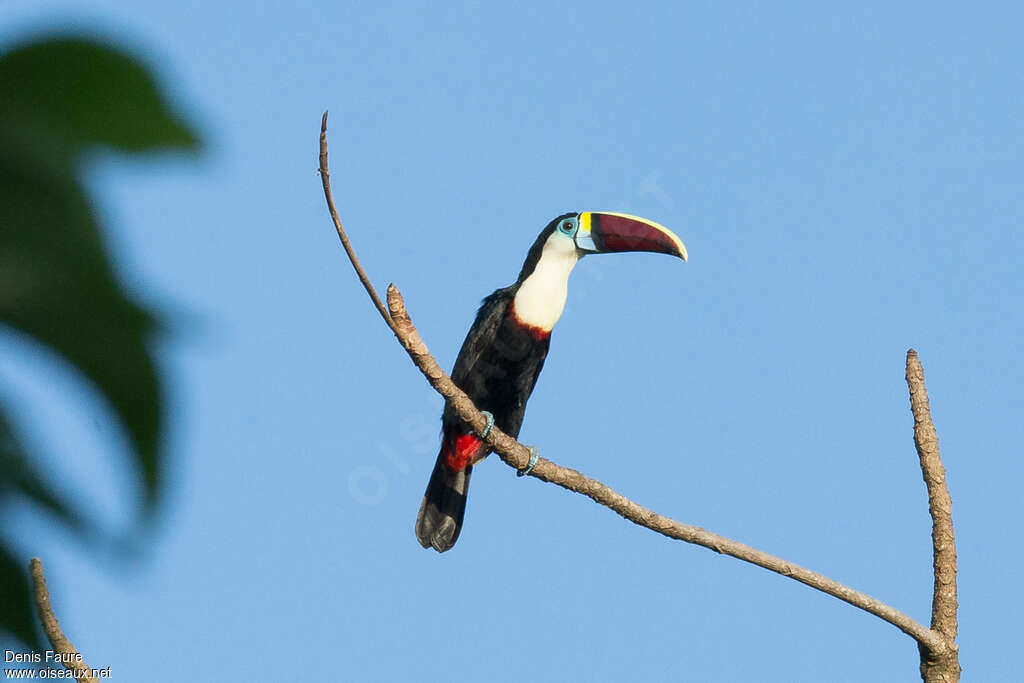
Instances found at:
x=538 y=333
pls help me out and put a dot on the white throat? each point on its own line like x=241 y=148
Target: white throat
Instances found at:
x=541 y=298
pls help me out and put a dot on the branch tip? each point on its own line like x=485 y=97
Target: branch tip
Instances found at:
x=937 y=663
x=396 y=304
x=73 y=661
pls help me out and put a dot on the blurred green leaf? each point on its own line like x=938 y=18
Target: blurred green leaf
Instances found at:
x=56 y=285
x=19 y=476
x=77 y=92
x=59 y=98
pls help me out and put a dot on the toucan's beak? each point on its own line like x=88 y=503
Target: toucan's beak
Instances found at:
x=605 y=232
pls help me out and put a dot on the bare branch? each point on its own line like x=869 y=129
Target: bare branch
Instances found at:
x=70 y=657
x=325 y=178
x=517 y=455
x=939 y=665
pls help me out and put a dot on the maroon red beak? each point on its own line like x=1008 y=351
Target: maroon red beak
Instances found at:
x=601 y=231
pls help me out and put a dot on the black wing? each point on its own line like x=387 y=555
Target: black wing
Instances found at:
x=498 y=364
x=489 y=318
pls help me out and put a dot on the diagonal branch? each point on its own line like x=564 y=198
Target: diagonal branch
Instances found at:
x=70 y=657
x=517 y=455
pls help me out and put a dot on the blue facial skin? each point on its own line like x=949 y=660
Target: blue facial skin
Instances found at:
x=568 y=226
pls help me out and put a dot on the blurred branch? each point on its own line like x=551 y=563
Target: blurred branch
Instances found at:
x=935 y=643
x=70 y=657
x=937 y=664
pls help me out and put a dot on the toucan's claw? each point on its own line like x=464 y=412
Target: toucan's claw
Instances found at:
x=534 y=457
x=490 y=424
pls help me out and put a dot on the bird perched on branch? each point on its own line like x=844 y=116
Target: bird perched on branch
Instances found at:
x=506 y=347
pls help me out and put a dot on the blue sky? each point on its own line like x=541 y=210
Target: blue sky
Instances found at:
x=848 y=183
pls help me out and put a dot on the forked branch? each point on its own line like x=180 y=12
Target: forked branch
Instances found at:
x=935 y=643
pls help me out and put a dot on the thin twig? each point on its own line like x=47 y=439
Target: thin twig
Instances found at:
x=325 y=178
x=940 y=666
x=70 y=657
x=517 y=455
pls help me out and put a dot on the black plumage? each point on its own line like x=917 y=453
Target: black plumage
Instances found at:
x=497 y=367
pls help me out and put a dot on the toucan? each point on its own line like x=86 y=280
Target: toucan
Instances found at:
x=505 y=350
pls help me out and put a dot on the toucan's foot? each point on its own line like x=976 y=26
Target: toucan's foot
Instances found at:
x=534 y=457
x=490 y=424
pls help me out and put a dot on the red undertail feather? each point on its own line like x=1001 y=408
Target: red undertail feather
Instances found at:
x=459 y=451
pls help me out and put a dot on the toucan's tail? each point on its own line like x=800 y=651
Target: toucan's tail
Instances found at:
x=440 y=517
